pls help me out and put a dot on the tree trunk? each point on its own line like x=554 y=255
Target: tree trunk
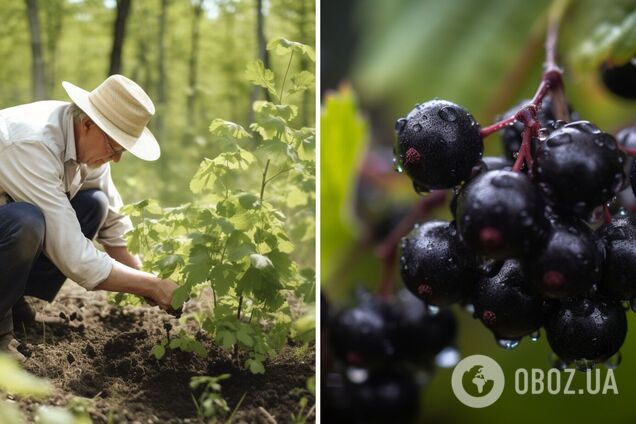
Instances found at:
x=304 y=63
x=38 y=76
x=192 y=66
x=54 y=14
x=119 y=34
x=161 y=66
x=262 y=49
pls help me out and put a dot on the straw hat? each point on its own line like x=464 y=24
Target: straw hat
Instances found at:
x=122 y=109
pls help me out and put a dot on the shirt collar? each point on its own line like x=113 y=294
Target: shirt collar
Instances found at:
x=70 y=154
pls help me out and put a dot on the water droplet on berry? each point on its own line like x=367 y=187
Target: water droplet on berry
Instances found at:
x=559 y=123
x=543 y=134
x=417 y=128
x=448 y=114
x=508 y=344
x=432 y=310
x=618 y=182
x=503 y=181
x=559 y=140
x=400 y=124
x=622 y=212
x=357 y=375
x=614 y=361
x=470 y=308
x=584 y=365
x=535 y=336
x=447 y=358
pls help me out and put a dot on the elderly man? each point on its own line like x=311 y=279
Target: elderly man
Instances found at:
x=56 y=194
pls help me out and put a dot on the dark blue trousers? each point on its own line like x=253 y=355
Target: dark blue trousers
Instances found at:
x=24 y=269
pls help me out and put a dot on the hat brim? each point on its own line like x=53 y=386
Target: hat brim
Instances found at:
x=144 y=146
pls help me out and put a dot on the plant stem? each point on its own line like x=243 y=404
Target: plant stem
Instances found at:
x=277 y=174
x=387 y=250
x=264 y=182
x=240 y=305
x=285 y=77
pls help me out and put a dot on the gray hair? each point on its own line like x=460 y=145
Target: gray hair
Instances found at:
x=78 y=114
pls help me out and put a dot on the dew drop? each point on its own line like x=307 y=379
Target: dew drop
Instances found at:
x=584 y=365
x=400 y=124
x=559 y=140
x=503 y=181
x=432 y=310
x=357 y=375
x=447 y=358
x=614 y=361
x=508 y=344
x=543 y=134
x=535 y=336
x=448 y=114
x=622 y=212
x=417 y=128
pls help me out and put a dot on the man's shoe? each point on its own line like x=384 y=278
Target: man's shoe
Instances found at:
x=9 y=345
x=22 y=312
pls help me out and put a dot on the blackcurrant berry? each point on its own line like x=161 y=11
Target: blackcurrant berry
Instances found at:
x=500 y=214
x=579 y=167
x=568 y=264
x=388 y=395
x=438 y=145
x=417 y=334
x=590 y=329
x=619 y=237
x=504 y=305
x=435 y=264
x=358 y=334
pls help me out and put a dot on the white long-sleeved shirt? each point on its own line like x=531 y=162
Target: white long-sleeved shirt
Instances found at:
x=38 y=165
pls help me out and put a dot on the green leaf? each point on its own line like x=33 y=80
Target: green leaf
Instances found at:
x=239 y=246
x=302 y=81
x=180 y=296
x=17 y=381
x=158 y=351
x=282 y=46
x=223 y=128
x=244 y=338
x=343 y=134
x=248 y=201
x=255 y=367
x=259 y=75
x=304 y=328
x=227 y=339
x=204 y=177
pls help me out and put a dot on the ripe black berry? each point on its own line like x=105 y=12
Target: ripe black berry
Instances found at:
x=438 y=144
x=568 y=264
x=619 y=238
x=503 y=304
x=435 y=265
x=358 y=334
x=415 y=333
x=621 y=80
x=579 y=167
x=500 y=214
x=590 y=329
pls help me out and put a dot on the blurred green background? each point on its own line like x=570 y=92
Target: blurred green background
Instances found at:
x=189 y=55
x=379 y=58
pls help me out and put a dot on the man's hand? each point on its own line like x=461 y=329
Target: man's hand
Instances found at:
x=125 y=279
x=161 y=293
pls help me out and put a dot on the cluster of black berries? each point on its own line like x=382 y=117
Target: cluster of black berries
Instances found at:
x=377 y=355
x=525 y=248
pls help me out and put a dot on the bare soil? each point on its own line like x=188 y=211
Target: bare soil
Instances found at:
x=102 y=352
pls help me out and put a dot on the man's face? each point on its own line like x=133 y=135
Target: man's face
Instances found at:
x=95 y=147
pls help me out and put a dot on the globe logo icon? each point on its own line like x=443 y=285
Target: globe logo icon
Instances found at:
x=478 y=381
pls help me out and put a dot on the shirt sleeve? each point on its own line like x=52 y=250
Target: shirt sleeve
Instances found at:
x=116 y=225
x=29 y=172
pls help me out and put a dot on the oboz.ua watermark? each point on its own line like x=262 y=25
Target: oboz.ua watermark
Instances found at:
x=478 y=381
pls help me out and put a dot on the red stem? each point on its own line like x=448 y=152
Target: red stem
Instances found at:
x=387 y=249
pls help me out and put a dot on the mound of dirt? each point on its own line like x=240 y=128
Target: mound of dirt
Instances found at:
x=102 y=352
